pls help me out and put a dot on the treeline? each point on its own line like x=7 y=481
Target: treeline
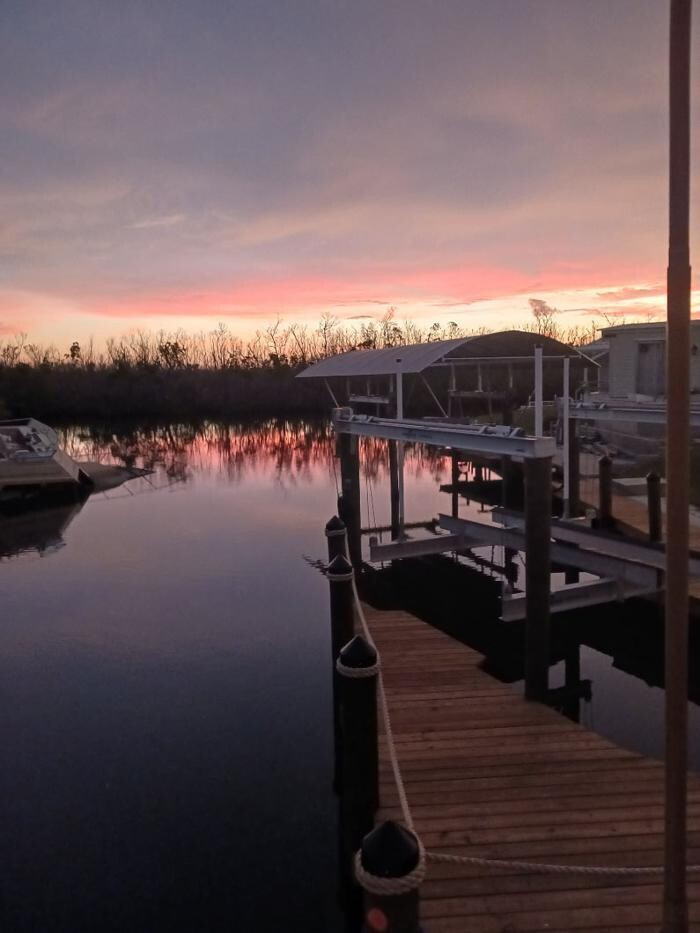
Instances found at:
x=209 y=374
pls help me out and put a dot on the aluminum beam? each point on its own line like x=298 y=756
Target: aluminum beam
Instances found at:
x=641 y=415
x=457 y=437
x=602 y=565
x=601 y=543
x=574 y=596
x=420 y=547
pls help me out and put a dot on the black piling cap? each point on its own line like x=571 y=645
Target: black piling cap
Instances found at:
x=390 y=851
x=604 y=460
x=339 y=565
x=334 y=524
x=358 y=653
x=652 y=477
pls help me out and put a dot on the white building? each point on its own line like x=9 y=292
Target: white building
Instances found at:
x=632 y=360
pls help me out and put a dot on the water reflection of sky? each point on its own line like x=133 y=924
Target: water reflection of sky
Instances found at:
x=165 y=708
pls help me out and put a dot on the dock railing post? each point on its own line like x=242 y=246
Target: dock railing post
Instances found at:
x=538 y=520
x=336 y=536
x=358 y=668
x=340 y=576
x=389 y=868
x=605 y=516
x=654 y=506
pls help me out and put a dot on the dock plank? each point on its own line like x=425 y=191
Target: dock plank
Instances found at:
x=490 y=774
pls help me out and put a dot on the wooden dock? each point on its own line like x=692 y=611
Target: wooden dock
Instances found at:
x=489 y=774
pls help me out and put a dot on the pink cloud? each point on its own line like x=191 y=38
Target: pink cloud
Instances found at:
x=624 y=294
x=446 y=286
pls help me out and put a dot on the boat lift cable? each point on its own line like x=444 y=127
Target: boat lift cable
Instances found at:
x=398 y=886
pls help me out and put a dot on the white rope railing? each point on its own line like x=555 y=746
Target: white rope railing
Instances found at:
x=397 y=886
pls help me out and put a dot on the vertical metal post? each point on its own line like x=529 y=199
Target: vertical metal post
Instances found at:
x=675 y=916
x=539 y=403
x=394 y=489
x=538 y=517
x=565 y=440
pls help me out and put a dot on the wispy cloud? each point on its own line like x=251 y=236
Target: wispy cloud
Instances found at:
x=168 y=221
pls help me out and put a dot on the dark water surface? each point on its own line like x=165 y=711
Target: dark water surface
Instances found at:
x=164 y=707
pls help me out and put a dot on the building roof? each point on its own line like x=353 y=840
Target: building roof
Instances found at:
x=645 y=326
x=418 y=357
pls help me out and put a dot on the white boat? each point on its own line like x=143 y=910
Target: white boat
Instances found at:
x=30 y=456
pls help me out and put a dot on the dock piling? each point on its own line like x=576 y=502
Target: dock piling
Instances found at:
x=340 y=576
x=605 y=516
x=654 y=506
x=538 y=519
x=349 y=502
x=336 y=536
x=394 y=492
x=358 y=669
x=390 y=860
x=574 y=470
x=455 y=481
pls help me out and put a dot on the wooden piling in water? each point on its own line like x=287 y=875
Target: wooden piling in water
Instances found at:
x=340 y=576
x=358 y=669
x=538 y=514
x=455 y=480
x=349 y=508
x=605 y=516
x=390 y=853
x=574 y=470
x=654 y=506
x=336 y=537
x=394 y=494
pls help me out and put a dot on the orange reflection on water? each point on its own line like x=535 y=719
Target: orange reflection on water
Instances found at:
x=297 y=451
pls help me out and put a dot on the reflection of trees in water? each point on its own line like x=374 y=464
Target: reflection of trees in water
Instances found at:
x=290 y=450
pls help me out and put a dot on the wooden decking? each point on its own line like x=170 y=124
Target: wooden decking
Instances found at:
x=489 y=774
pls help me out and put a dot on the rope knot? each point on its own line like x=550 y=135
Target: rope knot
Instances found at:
x=391 y=887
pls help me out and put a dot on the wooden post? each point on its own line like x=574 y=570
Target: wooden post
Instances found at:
x=394 y=490
x=358 y=669
x=389 y=852
x=538 y=517
x=340 y=576
x=675 y=915
x=336 y=537
x=654 y=506
x=566 y=445
x=605 y=516
x=572 y=680
x=348 y=449
x=574 y=470
x=455 y=481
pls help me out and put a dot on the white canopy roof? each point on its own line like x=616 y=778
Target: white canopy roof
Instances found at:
x=410 y=359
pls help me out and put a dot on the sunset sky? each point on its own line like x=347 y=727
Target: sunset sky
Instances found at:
x=180 y=163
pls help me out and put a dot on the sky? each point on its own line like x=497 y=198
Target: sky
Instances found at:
x=179 y=163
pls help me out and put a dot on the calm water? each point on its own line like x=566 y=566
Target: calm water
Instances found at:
x=164 y=714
